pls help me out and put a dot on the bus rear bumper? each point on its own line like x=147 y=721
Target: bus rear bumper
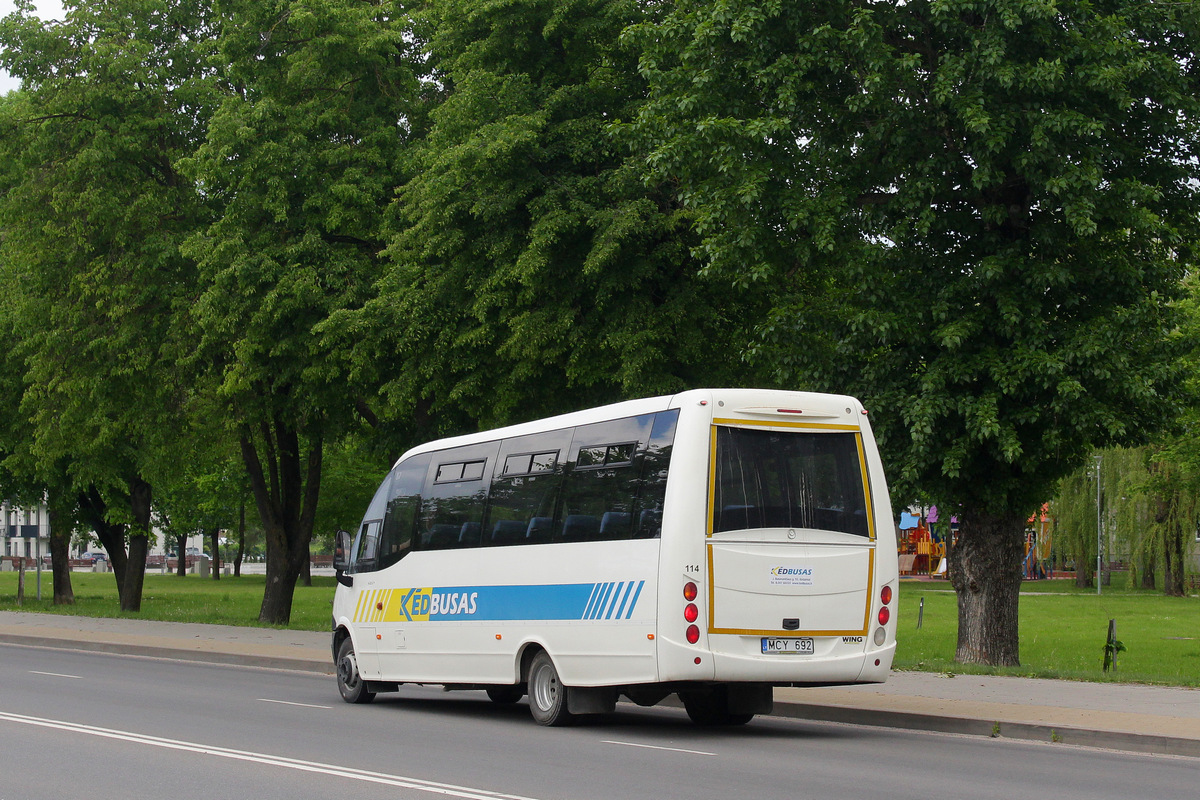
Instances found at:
x=873 y=666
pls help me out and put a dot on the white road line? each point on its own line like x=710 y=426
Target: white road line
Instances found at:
x=287 y=703
x=333 y=770
x=657 y=747
x=55 y=674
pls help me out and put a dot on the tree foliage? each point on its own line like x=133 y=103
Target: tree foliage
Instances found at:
x=315 y=230
x=299 y=159
x=531 y=270
x=93 y=214
x=980 y=210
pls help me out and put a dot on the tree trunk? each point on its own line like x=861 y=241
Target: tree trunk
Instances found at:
x=60 y=556
x=111 y=536
x=1083 y=575
x=139 y=545
x=1173 y=562
x=214 y=538
x=985 y=570
x=181 y=555
x=1149 y=566
x=286 y=496
x=241 y=545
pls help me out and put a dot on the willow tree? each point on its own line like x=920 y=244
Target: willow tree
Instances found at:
x=1106 y=502
x=976 y=212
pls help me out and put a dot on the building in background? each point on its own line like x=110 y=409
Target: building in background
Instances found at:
x=26 y=530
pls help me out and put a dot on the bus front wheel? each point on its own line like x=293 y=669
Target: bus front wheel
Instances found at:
x=349 y=680
x=547 y=695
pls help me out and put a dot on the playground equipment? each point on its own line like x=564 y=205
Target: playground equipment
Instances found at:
x=924 y=535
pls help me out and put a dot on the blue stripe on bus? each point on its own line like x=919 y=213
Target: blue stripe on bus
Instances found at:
x=618 y=599
x=568 y=601
x=592 y=598
x=599 y=604
x=590 y=611
x=634 y=601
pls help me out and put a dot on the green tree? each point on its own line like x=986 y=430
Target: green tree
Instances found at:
x=1128 y=528
x=353 y=471
x=531 y=270
x=300 y=160
x=114 y=96
x=977 y=211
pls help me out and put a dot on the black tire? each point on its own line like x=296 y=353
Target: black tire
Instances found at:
x=505 y=695
x=350 y=682
x=547 y=695
x=711 y=709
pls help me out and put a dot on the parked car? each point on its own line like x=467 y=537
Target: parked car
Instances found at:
x=94 y=557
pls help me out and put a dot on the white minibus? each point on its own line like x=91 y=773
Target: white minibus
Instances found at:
x=711 y=544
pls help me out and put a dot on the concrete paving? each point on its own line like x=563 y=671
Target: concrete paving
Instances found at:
x=1152 y=719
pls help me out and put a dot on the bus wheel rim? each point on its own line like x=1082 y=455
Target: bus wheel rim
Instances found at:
x=545 y=687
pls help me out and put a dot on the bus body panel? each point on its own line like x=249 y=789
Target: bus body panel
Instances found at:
x=825 y=582
x=596 y=607
x=614 y=612
x=757 y=586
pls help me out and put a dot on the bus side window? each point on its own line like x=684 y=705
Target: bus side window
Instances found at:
x=366 y=546
x=525 y=489
x=455 y=493
x=655 y=464
x=601 y=486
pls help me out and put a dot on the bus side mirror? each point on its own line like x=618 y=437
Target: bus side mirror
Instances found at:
x=341 y=552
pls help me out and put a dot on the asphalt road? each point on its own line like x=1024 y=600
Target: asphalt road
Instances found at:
x=76 y=724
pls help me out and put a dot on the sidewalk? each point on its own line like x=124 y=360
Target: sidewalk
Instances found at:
x=1150 y=719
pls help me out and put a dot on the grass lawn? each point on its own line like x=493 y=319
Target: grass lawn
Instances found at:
x=229 y=601
x=1062 y=629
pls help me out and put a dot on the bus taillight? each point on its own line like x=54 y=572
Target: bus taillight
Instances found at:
x=885 y=614
x=691 y=612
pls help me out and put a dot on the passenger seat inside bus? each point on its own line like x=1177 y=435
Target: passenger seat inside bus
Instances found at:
x=540 y=530
x=508 y=531
x=580 y=528
x=471 y=535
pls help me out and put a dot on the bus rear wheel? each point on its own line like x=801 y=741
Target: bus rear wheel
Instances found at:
x=349 y=680
x=547 y=695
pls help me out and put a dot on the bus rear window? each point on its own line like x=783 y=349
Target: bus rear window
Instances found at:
x=788 y=479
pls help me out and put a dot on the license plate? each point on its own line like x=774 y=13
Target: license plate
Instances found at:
x=802 y=646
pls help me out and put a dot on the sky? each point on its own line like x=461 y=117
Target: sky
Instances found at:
x=47 y=9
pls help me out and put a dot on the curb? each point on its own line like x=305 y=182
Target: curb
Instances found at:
x=1082 y=737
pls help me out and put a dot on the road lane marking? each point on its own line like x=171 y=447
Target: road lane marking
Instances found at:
x=333 y=770
x=287 y=703
x=55 y=674
x=658 y=747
